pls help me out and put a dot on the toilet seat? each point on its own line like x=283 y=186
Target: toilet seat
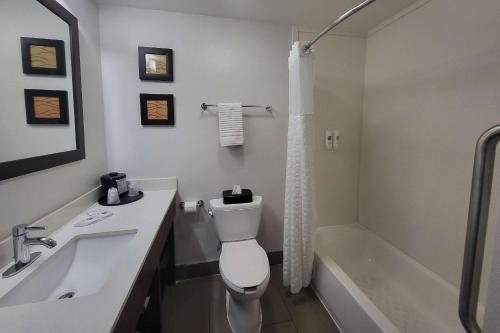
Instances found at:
x=244 y=265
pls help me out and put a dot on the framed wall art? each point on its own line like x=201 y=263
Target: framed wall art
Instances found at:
x=157 y=109
x=156 y=64
x=41 y=156
x=43 y=56
x=46 y=106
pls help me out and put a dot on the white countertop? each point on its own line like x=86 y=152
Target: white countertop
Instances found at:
x=97 y=312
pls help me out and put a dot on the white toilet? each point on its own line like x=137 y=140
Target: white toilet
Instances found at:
x=243 y=263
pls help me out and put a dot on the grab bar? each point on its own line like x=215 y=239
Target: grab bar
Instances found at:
x=479 y=205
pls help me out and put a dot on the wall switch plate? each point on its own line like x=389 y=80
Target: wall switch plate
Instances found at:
x=328 y=139
x=332 y=139
x=336 y=139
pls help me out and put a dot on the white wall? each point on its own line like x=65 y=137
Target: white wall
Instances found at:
x=432 y=86
x=25 y=199
x=27 y=18
x=339 y=63
x=215 y=60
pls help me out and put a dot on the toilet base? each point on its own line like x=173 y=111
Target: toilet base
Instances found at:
x=243 y=317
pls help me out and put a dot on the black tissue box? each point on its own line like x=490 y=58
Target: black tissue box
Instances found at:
x=229 y=198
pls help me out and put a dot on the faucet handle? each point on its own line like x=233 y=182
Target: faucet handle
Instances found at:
x=21 y=229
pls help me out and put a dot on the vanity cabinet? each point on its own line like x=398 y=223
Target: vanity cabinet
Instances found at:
x=158 y=270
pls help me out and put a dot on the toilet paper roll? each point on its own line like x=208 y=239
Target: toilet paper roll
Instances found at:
x=190 y=206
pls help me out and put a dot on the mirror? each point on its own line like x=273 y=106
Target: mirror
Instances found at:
x=41 y=121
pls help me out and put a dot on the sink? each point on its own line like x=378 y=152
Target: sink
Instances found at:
x=81 y=267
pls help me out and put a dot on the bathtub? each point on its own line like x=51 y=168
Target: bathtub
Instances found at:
x=369 y=286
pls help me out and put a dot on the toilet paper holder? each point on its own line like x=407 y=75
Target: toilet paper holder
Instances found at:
x=199 y=203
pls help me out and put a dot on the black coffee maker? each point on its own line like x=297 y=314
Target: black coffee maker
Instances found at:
x=119 y=181
x=114 y=179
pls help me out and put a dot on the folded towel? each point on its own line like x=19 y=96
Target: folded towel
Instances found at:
x=230 y=124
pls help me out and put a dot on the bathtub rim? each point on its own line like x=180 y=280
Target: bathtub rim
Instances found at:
x=322 y=256
x=369 y=308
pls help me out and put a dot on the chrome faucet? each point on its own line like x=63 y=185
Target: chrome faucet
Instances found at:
x=22 y=256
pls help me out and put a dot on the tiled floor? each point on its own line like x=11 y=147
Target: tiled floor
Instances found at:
x=198 y=306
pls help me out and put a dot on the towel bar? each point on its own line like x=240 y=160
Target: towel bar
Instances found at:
x=269 y=108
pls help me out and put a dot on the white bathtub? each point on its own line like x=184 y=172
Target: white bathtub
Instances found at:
x=370 y=286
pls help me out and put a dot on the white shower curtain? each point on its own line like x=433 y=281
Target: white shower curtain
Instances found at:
x=298 y=234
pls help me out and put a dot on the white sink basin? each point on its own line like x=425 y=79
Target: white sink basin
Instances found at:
x=81 y=267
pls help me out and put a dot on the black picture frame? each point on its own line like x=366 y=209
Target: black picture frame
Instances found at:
x=29 y=98
x=168 y=53
x=169 y=98
x=28 y=165
x=27 y=42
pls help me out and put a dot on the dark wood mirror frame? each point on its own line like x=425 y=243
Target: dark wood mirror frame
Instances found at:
x=24 y=166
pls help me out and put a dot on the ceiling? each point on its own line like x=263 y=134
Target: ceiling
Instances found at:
x=307 y=13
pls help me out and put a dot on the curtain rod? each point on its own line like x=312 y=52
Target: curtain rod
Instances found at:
x=340 y=19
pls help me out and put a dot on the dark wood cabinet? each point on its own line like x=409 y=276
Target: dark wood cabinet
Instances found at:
x=157 y=271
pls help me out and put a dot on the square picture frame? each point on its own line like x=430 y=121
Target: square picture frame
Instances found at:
x=46 y=106
x=156 y=64
x=157 y=109
x=43 y=56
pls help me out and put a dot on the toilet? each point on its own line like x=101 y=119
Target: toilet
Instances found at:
x=243 y=263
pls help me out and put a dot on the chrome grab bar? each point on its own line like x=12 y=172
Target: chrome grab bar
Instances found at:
x=479 y=205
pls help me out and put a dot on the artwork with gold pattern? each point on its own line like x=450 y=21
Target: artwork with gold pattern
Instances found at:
x=43 y=56
x=157 y=110
x=47 y=107
x=156 y=64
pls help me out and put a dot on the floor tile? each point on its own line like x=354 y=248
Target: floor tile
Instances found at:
x=286 y=327
x=218 y=316
x=305 y=296
x=199 y=306
x=273 y=307
x=218 y=319
x=216 y=288
x=308 y=314
x=189 y=299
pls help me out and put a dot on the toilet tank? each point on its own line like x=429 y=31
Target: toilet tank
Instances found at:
x=237 y=221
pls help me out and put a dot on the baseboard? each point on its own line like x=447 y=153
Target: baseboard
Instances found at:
x=275 y=258
x=185 y=272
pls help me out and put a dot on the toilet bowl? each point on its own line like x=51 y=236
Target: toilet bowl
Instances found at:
x=244 y=268
x=243 y=263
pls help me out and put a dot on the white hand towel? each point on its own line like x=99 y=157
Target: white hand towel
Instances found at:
x=230 y=124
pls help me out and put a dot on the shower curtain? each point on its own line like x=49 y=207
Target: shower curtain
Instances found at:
x=298 y=225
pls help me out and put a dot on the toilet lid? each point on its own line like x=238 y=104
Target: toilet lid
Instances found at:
x=244 y=263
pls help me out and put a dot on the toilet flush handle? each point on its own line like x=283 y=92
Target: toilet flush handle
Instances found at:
x=211 y=213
